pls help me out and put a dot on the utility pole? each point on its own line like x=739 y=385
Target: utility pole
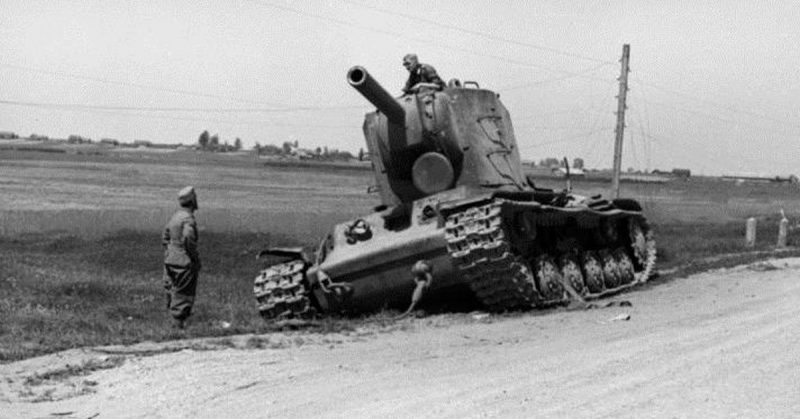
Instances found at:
x=620 y=130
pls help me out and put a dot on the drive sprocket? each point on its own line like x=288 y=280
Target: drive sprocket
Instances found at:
x=477 y=243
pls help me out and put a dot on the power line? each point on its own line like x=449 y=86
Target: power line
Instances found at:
x=176 y=118
x=717 y=104
x=482 y=34
x=563 y=127
x=421 y=40
x=646 y=109
x=645 y=143
x=590 y=110
x=553 y=79
x=592 y=148
x=137 y=85
x=575 y=137
x=694 y=155
x=714 y=117
x=660 y=142
x=595 y=122
x=177 y=109
x=631 y=136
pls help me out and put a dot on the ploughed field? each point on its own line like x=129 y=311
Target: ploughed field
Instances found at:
x=80 y=255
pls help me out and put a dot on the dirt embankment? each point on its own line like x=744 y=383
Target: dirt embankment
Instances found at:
x=718 y=344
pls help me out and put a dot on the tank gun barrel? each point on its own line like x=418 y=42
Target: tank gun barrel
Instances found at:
x=360 y=79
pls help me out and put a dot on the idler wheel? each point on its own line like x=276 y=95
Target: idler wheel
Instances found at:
x=571 y=271
x=549 y=277
x=611 y=275
x=625 y=266
x=638 y=238
x=593 y=272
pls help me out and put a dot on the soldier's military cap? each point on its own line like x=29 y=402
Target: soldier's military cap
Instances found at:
x=186 y=195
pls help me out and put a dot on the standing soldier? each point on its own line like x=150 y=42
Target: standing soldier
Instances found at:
x=419 y=73
x=181 y=259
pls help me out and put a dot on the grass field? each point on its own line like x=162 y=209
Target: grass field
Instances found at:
x=80 y=257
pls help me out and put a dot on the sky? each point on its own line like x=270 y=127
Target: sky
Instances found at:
x=714 y=86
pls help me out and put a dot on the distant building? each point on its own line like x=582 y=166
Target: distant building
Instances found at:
x=561 y=171
x=740 y=178
x=109 y=141
x=142 y=143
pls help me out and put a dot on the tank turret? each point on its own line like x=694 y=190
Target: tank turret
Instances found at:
x=435 y=140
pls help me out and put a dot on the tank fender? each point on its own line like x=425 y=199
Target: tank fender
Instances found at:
x=285 y=252
x=627 y=204
x=447 y=208
x=523 y=196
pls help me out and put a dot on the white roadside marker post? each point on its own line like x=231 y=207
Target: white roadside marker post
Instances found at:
x=783 y=228
x=750 y=233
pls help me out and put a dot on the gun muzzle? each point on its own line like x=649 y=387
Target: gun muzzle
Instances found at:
x=359 y=78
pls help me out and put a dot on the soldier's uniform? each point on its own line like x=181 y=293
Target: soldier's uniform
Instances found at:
x=420 y=73
x=181 y=258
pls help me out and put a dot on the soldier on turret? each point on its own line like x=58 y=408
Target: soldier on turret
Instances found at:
x=419 y=73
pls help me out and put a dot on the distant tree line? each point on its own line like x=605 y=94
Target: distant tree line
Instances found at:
x=208 y=142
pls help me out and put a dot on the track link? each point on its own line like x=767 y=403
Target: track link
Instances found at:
x=477 y=243
x=281 y=292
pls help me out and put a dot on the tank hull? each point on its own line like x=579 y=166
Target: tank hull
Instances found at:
x=511 y=253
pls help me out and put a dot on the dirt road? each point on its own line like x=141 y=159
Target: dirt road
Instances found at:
x=720 y=344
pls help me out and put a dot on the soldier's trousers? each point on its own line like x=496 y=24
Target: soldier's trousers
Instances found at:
x=181 y=284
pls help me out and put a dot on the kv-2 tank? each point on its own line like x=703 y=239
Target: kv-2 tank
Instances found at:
x=457 y=212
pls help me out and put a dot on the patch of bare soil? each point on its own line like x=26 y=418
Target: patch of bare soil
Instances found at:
x=718 y=344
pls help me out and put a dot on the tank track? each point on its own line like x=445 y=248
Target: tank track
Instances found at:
x=281 y=292
x=478 y=246
x=503 y=280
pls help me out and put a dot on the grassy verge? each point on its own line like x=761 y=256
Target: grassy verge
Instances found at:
x=62 y=292
x=59 y=292
x=689 y=247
